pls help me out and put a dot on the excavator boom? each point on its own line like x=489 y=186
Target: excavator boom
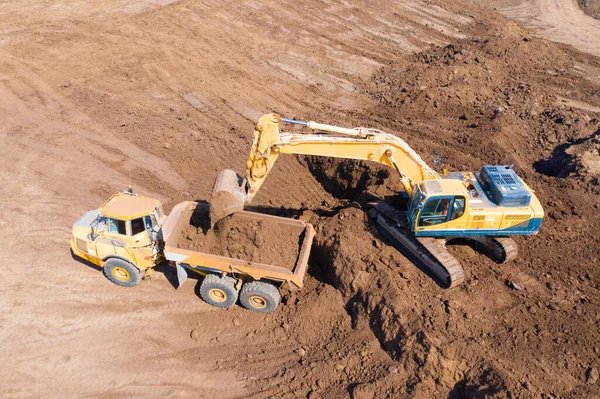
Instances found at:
x=230 y=192
x=332 y=141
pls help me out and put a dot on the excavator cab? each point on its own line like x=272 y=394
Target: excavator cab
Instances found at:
x=436 y=206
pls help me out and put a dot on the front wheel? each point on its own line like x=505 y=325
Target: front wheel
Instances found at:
x=219 y=291
x=122 y=272
x=260 y=296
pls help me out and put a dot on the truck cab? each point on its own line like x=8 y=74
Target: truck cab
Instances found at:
x=121 y=234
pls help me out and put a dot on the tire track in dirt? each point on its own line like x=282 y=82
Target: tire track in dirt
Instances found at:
x=559 y=20
x=104 y=143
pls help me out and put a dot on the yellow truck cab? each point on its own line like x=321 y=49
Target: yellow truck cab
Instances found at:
x=120 y=236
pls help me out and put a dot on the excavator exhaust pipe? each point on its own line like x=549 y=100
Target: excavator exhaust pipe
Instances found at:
x=228 y=195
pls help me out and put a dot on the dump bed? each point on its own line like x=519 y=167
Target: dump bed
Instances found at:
x=180 y=218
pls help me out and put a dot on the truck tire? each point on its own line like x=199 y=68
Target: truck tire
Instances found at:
x=219 y=291
x=260 y=296
x=121 y=272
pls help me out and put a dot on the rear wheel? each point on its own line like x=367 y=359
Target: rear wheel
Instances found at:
x=219 y=291
x=122 y=273
x=260 y=296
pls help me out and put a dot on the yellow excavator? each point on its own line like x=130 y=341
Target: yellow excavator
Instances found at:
x=488 y=206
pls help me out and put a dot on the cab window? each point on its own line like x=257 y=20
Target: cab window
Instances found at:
x=435 y=211
x=137 y=226
x=117 y=226
x=148 y=222
x=458 y=208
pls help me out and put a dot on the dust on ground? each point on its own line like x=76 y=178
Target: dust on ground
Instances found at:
x=255 y=240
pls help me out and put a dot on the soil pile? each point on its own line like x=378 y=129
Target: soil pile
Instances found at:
x=261 y=241
x=579 y=159
x=411 y=319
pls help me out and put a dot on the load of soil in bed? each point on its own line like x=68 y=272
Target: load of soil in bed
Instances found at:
x=260 y=241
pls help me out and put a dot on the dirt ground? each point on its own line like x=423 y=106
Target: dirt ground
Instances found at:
x=559 y=20
x=163 y=94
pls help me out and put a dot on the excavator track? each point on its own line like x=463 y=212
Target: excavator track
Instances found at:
x=429 y=252
x=506 y=249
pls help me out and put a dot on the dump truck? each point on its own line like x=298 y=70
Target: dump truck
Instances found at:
x=130 y=234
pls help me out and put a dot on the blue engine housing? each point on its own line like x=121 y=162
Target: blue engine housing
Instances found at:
x=503 y=186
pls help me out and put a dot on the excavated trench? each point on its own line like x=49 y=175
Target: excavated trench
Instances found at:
x=347 y=179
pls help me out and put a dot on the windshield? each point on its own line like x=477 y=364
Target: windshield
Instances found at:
x=413 y=205
x=98 y=225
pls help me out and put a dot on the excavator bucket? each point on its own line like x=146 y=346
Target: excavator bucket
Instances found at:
x=228 y=195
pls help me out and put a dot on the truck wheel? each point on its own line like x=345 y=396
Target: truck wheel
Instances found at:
x=260 y=296
x=219 y=291
x=122 y=273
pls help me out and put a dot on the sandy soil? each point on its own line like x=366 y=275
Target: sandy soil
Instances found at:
x=163 y=94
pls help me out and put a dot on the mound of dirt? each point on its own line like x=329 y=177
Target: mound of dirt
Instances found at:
x=392 y=299
x=261 y=241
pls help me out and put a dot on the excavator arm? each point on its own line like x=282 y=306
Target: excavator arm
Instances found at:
x=331 y=141
x=231 y=192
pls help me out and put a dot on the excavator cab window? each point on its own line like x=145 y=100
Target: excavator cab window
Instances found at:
x=440 y=210
x=458 y=208
x=435 y=211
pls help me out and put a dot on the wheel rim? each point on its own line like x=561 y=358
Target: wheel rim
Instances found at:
x=120 y=273
x=258 y=302
x=217 y=295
